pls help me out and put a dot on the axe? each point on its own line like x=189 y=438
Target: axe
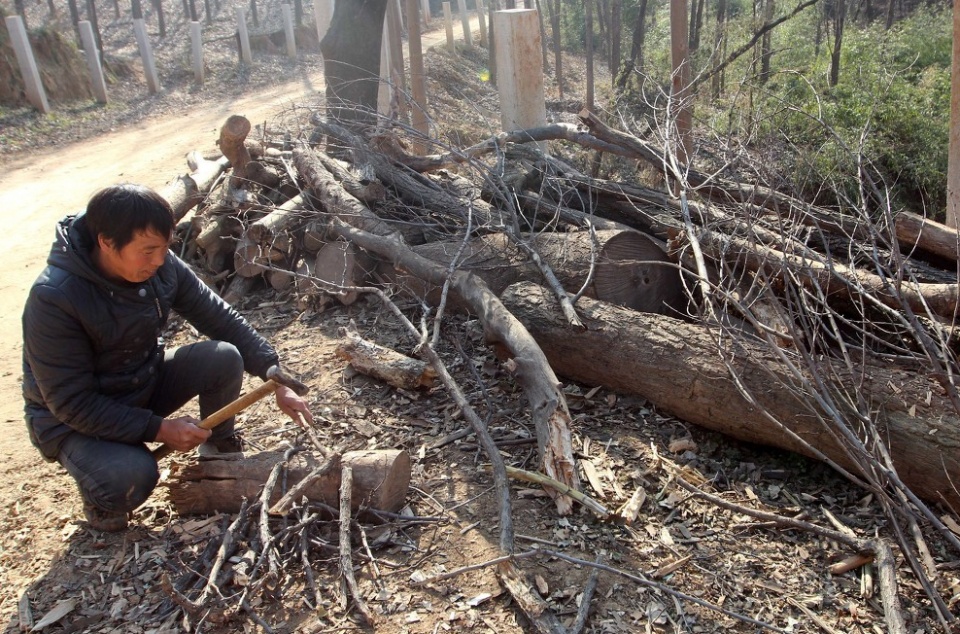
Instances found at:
x=275 y=378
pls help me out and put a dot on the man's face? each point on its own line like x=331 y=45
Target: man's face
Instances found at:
x=137 y=261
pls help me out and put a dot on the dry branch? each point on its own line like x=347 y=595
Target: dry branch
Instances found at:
x=383 y=363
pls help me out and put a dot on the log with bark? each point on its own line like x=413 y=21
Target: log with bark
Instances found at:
x=380 y=481
x=677 y=366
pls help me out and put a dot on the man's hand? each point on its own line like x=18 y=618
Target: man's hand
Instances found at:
x=182 y=434
x=293 y=405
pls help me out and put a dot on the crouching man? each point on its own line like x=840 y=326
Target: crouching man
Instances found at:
x=97 y=381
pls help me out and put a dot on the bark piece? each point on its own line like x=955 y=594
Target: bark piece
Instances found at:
x=383 y=363
x=677 y=366
x=380 y=481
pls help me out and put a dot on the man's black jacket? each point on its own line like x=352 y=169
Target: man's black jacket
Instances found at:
x=92 y=347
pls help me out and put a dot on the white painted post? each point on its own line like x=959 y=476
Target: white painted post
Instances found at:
x=519 y=70
x=245 y=53
x=196 y=46
x=288 y=31
x=322 y=14
x=97 y=81
x=482 y=21
x=465 y=21
x=425 y=12
x=448 y=23
x=36 y=95
x=146 y=54
x=384 y=92
x=399 y=10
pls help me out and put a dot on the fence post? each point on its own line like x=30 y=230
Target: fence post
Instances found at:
x=448 y=23
x=196 y=46
x=322 y=14
x=424 y=12
x=28 y=65
x=245 y=55
x=465 y=21
x=93 y=61
x=288 y=31
x=519 y=70
x=146 y=54
x=482 y=21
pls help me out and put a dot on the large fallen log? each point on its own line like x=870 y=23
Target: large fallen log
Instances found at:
x=380 y=481
x=678 y=367
x=621 y=267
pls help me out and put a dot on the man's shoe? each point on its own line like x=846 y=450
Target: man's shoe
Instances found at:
x=229 y=448
x=106 y=521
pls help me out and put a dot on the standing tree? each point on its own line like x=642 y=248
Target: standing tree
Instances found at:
x=616 y=29
x=635 y=63
x=351 y=60
x=720 y=46
x=161 y=23
x=553 y=6
x=837 y=11
x=766 y=45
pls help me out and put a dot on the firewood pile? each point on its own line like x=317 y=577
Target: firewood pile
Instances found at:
x=738 y=308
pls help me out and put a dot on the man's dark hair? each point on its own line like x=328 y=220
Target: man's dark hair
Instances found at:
x=118 y=212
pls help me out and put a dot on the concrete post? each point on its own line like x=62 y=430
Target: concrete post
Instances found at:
x=36 y=95
x=424 y=12
x=465 y=21
x=196 y=47
x=519 y=69
x=448 y=24
x=287 y=12
x=322 y=14
x=246 y=56
x=482 y=21
x=146 y=54
x=97 y=81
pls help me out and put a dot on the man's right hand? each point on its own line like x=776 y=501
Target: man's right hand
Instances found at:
x=182 y=434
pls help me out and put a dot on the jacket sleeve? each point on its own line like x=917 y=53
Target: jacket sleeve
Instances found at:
x=61 y=358
x=216 y=319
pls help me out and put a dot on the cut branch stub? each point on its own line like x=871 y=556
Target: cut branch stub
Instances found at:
x=233 y=133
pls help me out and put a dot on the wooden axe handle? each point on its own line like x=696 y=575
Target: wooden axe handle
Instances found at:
x=230 y=409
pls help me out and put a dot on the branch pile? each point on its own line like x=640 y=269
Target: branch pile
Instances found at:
x=828 y=332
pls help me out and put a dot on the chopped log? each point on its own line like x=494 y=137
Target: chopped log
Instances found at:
x=217 y=238
x=629 y=269
x=345 y=265
x=238 y=288
x=188 y=190
x=266 y=242
x=233 y=133
x=259 y=174
x=380 y=481
x=915 y=231
x=549 y=411
x=383 y=363
x=678 y=367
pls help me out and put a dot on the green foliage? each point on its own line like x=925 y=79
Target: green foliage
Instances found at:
x=891 y=106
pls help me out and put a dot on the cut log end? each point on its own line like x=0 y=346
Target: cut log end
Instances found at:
x=634 y=272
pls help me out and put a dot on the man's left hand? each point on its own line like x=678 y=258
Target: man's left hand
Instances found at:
x=293 y=405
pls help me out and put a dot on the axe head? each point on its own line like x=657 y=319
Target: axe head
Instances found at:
x=276 y=373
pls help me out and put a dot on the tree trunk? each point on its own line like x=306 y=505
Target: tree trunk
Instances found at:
x=628 y=268
x=678 y=367
x=616 y=31
x=21 y=10
x=92 y=16
x=766 y=45
x=915 y=231
x=161 y=22
x=588 y=26
x=554 y=7
x=351 y=60
x=380 y=481
x=839 y=18
x=720 y=46
x=635 y=63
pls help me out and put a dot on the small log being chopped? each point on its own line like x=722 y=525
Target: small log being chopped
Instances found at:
x=677 y=366
x=383 y=363
x=380 y=481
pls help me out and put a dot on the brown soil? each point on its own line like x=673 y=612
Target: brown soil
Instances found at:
x=48 y=554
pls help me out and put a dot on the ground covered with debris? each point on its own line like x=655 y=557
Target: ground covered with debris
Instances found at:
x=749 y=558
